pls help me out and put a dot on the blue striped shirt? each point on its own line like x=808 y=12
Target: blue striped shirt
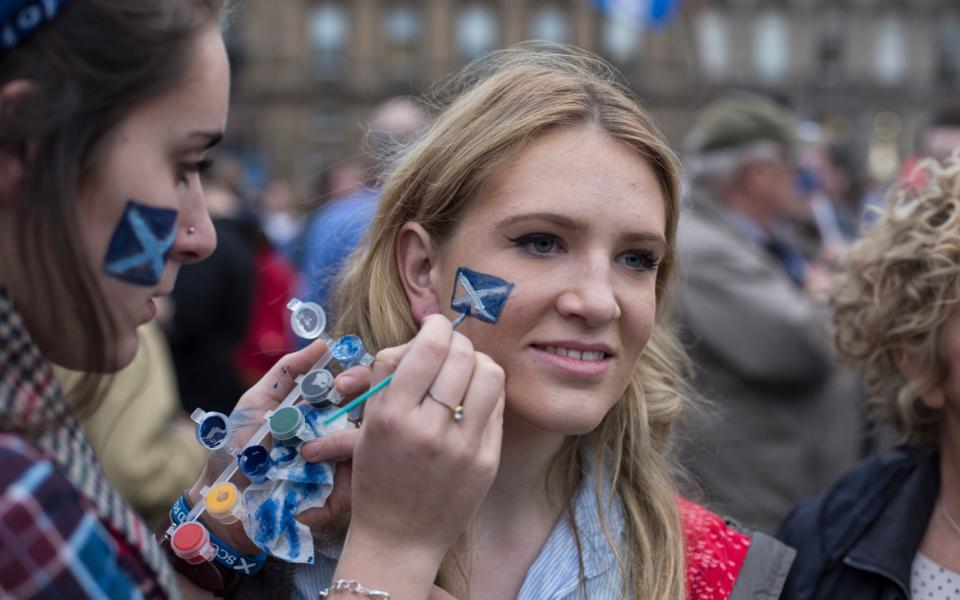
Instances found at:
x=554 y=575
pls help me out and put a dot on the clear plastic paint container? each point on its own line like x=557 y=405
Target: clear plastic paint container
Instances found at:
x=255 y=463
x=191 y=542
x=315 y=387
x=224 y=503
x=286 y=425
x=213 y=429
x=308 y=319
x=349 y=351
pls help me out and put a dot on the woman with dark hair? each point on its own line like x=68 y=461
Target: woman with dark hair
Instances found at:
x=107 y=111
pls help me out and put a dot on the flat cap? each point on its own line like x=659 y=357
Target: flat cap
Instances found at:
x=739 y=120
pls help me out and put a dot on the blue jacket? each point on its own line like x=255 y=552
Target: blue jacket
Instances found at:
x=858 y=540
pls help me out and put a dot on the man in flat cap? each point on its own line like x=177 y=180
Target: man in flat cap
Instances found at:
x=784 y=421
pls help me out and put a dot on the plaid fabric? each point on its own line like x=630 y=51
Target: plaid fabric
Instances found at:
x=100 y=526
x=52 y=544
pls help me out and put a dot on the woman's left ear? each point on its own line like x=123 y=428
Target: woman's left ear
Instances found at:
x=419 y=269
x=11 y=175
x=13 y=164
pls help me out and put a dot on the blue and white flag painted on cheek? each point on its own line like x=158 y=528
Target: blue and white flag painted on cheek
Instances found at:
x=141 y=244
x=479 y=295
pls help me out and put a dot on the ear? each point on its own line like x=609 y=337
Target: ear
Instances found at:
x=11 y=177
x=418 y=267
x=12 y=161
x=934 y=399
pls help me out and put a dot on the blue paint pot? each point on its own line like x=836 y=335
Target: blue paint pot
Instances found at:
x=348 y=351
x=255 y=463
x=213 y=430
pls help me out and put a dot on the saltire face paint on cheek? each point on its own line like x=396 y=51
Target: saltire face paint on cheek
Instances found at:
x=141 y=244
x=479 y=295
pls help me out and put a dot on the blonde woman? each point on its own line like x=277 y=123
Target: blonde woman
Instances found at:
x=558 y=481
x=890 y=528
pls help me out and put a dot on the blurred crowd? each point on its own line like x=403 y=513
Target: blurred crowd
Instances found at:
x=729 y=367
x=772 y=204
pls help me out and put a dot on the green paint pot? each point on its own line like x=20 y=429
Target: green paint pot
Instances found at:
x=285 y=423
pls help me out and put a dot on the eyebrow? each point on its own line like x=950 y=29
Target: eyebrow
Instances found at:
x=549 y=217
x=574 y=225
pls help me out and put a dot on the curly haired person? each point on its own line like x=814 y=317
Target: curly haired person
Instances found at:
x=889 y=528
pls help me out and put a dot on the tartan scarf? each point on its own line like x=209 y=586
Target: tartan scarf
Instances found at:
x=33 y=405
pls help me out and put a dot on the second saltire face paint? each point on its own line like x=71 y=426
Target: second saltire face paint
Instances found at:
x=141 y=244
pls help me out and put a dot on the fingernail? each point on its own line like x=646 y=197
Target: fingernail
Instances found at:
x=308 y=451
x=345 y=382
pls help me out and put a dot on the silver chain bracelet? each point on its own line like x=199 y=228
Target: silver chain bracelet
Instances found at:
x=355 y=587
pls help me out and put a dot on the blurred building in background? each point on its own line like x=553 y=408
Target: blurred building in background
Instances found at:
x=868 y=71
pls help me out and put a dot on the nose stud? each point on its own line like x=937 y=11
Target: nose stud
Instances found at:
x=191 y=230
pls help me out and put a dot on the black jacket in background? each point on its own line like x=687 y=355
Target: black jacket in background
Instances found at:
x=858 y=541
x=211 y=311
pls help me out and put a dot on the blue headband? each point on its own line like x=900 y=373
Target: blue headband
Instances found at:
x=20 y=18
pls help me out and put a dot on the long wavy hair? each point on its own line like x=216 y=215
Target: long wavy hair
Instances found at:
x=899 y=284
x=490 y=111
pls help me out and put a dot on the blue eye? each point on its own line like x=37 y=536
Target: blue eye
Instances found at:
x=539 y=244
x=640 y=260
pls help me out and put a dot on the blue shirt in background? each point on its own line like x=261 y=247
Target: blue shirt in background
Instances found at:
x=332 y=235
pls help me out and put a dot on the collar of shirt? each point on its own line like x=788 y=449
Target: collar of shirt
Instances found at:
x=556 y=571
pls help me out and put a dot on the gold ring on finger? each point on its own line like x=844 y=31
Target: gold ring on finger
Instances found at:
x=456 y=410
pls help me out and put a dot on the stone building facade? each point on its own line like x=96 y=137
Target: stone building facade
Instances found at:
x=872 y=70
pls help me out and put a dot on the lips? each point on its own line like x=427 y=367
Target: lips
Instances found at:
x=150 y=312
x=576 y=349
x=587 y=355
x=576 y=359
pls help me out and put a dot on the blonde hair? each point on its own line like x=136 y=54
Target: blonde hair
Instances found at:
x=898 y=285
x=500 y=103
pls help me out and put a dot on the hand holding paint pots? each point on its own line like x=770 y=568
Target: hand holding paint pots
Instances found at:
x=419 y=475
x=275 y=414
x=220 y=433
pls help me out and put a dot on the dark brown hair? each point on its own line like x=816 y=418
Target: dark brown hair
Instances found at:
x=89 y=68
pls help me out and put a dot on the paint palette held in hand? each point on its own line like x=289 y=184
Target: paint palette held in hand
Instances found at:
x=277 y=476
x=281 y=484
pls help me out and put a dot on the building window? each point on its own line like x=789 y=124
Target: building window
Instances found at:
x=890 y=51
x=329 y=28
x=771 y=46
x=403 y=37
x=477 y=30
x=621 y=37
x=831 y=49
x=550 y=22
x=329 y=118
x=713 y=42
x=948 y=50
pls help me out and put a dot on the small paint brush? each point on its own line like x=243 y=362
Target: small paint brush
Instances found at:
x=358 y=400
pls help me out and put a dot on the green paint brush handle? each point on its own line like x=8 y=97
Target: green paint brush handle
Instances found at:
x=358 y=400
